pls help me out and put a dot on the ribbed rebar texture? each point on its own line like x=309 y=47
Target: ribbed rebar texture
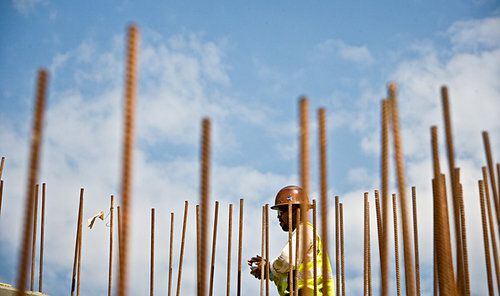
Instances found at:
x=367 y=253
x=128 y=153
x=77 y=242
x=204 y=204
x=337 y=245
x=229 y=241
x=315 y=250
x=110 y=265
x=456 y=206
x=214 y=248
x=170 y=254
x=464 y=233
x=491 y=169
x=323 y=170
x=33 y=240
x=152 y=263
x=396 y=244
x=119 y=227
x=342 y=260
x=290 y=250
x=491 y=226
x=1 y=195
x=183 y=243
x=79 y=257
x=34 y=162
x=304 y=182
x=198 y=246
x=378 y=213
x=42 y=239
x=262 y=249
x=485 y=238
x=400 y=173
x=240 y=246
x=415 y=238
x=267 y=258
x=384 y=187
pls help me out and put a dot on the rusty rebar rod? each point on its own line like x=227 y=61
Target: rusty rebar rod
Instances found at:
x=485 y=238
x=33 y=240
x=2 y=164
x=315 y=249
x=79 y=258
x=183 y=242
x=491 y=169
x=323 y=171
x=446 y=278
x=170 y=253
x=198 y=247
x=77 y=242
x=298 y=235
x=214 y=246
x=267 y=258
x=342 y=260
x=290 y=250
x=204 y=204
x=128 y=153
x=378 y=213
x=491 y=226
x=229 y=244
x=262 y=249
x=152 y=257
x=415 y=238
x=1 y=195
x=396 y=244
x=240 y=247
x=110 y=267
x=400 y=174
x=42 y=240
x=119 y=220
x=384 y=187
x=34 y=162
x=365 y=245
x=305 y=183
x=337 y=244
x=464 y=233
x=456 y=206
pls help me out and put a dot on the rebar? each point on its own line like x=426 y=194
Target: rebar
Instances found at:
x=485 y=238
x=204 y=204
x=198 y=246
x=464 y=233
x=304 y=181
x=42 y=240
x=152 y=263
x=384 y=187
x=491 y=169
x=290 y=250
x=366 y=243
x=183 y=242
x=33 y=240
x=2 y=163
x=34 y=162
x=170 y=253
x=342 y=260
x=1 y=195
x=491 y=226
x=262 y=250
x=119 y=220
x=323 y=197
x=128 y=151
x=110 y=268
x=400 y=173
x=315 y=250
x=415 y=238
x=240 y=246
x=79 y=248
x=267 y=258
x=396 y=244
x=337 y=244
x=378 y=213
x=298 y=234
x=229 y=241
x=214 y=246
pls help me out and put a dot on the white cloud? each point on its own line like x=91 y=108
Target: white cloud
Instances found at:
x=352 y=53
x=476 y=33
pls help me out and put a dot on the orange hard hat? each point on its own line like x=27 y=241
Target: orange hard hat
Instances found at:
x=291 y=194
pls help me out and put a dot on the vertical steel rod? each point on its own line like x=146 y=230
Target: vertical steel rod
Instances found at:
x=337 y=245
x=304 y=182
x=240 y=247
x=33 y=240
x=384 y=187
x=491 y=169
x=79 y=255
x=298 y=235
x=214 y=246
x=1 y=195
x=315 y=249
x=198 y=246
x=170 y=253
x=119 y=220
x=379 y=222
x=2 y=163
x=181 y=256
x=152 y=263
x=128 y=151
x=267 y=250
x=485 y=238
x=365 y=246
x=464 y=234
x=229 y=241
x=110 y=267
x=290 y=250
x=262 y=250
x=400 y=174
x=415 y=238
x=491 y=226
x=342 y=260
x=323 y=170
x=34 y=162
x=42 y=240
x=396 y=244
x=204 y=204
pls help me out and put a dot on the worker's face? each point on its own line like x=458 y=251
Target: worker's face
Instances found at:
x=283 y=218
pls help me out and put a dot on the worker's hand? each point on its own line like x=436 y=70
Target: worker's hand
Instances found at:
x=256 y=271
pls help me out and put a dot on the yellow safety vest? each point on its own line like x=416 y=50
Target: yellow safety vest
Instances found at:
x=325 y=285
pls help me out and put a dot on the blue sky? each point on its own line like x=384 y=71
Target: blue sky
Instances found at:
x=244 y=65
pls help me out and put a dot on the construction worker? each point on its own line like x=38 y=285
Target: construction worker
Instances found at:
x=280 y=267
